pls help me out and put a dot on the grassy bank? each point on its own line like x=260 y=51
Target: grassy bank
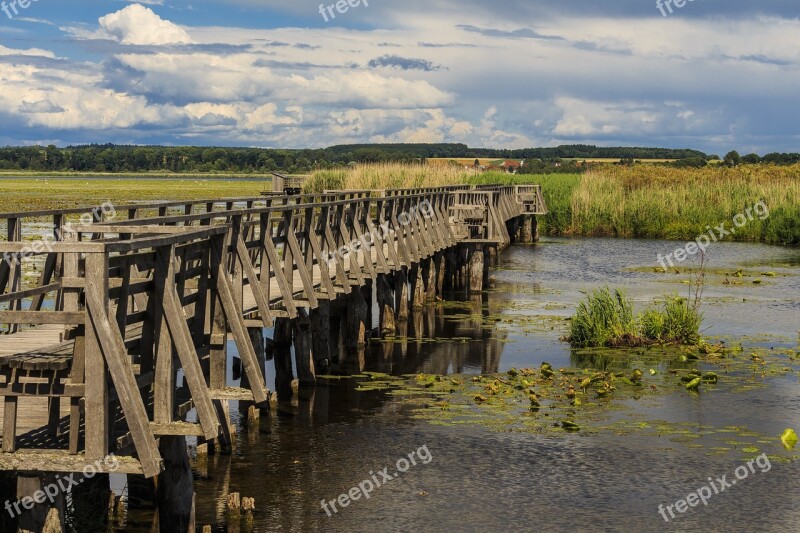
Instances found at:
x=661 y=202
x=41 y=193
x=643 y=201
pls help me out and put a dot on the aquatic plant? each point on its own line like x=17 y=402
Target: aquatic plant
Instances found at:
x=606 y=319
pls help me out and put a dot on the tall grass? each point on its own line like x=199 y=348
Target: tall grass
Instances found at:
x=607 y=319
x=387 y=176
x=400 y=176
x=673 y=203
x=603 y=319
x=646 y=201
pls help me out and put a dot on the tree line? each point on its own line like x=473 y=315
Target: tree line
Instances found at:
x=178 y=159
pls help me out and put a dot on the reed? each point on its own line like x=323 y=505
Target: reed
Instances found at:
x=674 y=203
x=387 y=176
x=607 y=319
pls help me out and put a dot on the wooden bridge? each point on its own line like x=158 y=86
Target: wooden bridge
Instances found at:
x=115 y=320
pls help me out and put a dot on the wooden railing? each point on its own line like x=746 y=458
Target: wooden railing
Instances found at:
x=160 y=287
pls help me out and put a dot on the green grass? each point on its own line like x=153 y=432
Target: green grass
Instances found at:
x=42 y=193
x=662 y=202
x=608 y=319
x=603 y=319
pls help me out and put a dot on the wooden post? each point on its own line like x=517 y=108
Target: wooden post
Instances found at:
x=527 y=229
x=476 y=267
x=535 y=228
x=368 y=295
x=356 y=321
x=257 y=339
x=175 y=488
x=440 y=264
x=429 y=273
x=35 y=519
x=321 y=335
x=417 y=288
x=449 y=277
x=304 y=361
x=96 y=402
x=386 y=305
x=401 y=293
x=283 y=358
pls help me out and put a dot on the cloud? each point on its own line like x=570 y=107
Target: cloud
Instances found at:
x=402 y=63
x=509 y=73
x=522 y=33
x=42 y=106
x=136 y=24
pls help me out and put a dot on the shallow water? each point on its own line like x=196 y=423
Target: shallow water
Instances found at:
x=480 y=479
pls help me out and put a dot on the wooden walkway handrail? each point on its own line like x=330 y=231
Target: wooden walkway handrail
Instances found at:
x=133 y=300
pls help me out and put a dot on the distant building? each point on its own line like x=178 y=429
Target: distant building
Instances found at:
x=512 y=167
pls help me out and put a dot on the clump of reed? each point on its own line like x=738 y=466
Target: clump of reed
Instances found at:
x=608 y=319
x=387 y=176
x=676 y=203
x=377 y=176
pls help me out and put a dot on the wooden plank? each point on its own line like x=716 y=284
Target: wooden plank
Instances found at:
x=164 y=348
x=297 y=256
x=60 y=461
x=255 y=284
x=119 y=366
x=341 y=274
x=9 y=424
x=280 y=277
x=316 y=252
x=182 y=340
x=76 y=378
x=236 y=324
x=28 y=293
x=41 y=317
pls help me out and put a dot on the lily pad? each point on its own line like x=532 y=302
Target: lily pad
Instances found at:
x=789 y=439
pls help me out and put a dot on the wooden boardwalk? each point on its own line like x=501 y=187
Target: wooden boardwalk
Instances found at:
x=103 y=318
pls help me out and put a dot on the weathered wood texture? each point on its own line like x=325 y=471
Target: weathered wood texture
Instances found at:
x=129 y=310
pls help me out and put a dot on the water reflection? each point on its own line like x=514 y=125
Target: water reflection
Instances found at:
x=330 y=438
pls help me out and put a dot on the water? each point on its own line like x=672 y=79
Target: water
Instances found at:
x=481 y=480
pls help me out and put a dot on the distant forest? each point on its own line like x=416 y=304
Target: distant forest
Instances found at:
x=114 y=158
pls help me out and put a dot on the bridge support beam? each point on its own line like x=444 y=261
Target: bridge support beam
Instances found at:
x=417 y=288
x=43 y=514
x=530 y=229
x=477 y=269
x=386 y=305
x=176 y=499
x=429 y=275
x=321 y=335
x=304 y=361
x=259 y=346
x=283 y=359
x=401 y=294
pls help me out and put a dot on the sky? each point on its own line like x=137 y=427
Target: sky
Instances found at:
x=713 y=75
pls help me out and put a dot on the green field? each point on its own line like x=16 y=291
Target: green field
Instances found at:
x=29 y=194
